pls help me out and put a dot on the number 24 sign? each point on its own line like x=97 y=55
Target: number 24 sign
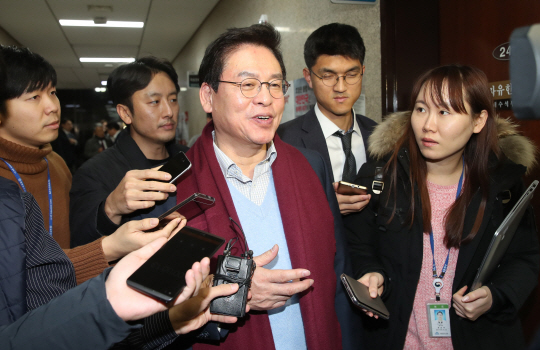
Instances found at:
x=502 y=52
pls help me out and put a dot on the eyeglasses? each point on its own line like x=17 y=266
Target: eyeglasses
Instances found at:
x=331 y=79
x=250 y=87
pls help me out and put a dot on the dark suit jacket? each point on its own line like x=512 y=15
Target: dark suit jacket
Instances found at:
x=350 y=318
x=306 y=132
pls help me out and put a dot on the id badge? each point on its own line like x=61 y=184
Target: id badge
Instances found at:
x=438 y=313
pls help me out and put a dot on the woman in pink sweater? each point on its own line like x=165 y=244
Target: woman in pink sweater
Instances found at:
x=421 y=241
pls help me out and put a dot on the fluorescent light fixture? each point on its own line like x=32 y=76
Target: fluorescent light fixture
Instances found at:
x=183 y=89
x=100 y=89
x=90 y=23
x=104 y=82
x=283 y=29
x=107 y=59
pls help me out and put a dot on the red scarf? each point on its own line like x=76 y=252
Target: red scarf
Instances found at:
x=309 y=230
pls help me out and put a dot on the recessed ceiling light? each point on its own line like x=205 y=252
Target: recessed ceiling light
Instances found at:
x=104 y=82
x=107 y=59
x=100 y=89
x=91 y=23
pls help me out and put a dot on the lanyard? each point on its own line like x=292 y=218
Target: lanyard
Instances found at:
x=438 y=283
x=49 y=189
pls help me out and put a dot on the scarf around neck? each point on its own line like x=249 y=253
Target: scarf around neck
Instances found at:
x=309 y=229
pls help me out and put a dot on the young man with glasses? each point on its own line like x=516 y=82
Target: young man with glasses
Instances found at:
x=334 y=56
x=276 y=196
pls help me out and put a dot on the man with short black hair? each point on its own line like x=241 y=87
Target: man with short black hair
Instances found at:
x=111 y=188
x=334 y=56
x=278 y=196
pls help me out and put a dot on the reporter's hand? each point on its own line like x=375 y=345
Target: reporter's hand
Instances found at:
x=131 y=236
x=271 y=288
x=351 y=203
x=195 y=312
x=132 y=305
x=133 y=193
x=474 y=304
x=375 y=282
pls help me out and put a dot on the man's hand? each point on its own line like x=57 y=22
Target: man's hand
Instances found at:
x=195 y=312
x=375 y=282
x=272 y=288
x=474 y=304
x=132 y=236
x=351 y=204
x=132 y=305
x=133 y=193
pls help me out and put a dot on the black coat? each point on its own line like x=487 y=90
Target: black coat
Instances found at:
x=395 y=249
x=97 y=178
x=79 y=318
x=306 y=132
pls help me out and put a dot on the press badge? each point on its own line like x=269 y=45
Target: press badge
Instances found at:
x=438 y=318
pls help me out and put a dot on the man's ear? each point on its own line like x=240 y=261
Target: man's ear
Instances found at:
x=206 y=96
x=307 y=76
x=124 y=113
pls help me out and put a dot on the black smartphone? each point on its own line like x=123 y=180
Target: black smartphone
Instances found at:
x=359 y=295
x=350 y=189
x=196 y=197
x=176 y=166
x=163 y=275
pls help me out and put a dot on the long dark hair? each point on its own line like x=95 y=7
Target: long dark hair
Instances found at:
x=462 y=84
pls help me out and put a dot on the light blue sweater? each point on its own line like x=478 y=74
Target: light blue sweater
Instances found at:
x=263 y=228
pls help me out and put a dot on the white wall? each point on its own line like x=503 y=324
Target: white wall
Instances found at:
x=302 y=17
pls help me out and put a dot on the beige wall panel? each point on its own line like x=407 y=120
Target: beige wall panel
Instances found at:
x=302 y=17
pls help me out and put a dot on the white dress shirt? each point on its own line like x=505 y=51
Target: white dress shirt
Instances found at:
x=253 y=189
x=335 y=147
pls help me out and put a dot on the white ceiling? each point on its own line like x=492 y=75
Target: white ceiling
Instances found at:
x=168 y=25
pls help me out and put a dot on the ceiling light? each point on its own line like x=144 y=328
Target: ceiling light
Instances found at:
x=104 y=82
x=183 y=89
x=90 y=23
x=100 y=89
x=109 y=59
x=283 y=29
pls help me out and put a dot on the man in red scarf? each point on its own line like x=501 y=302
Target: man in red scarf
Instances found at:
x=276 y=194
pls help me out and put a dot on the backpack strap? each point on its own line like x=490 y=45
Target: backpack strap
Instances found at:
x=377 y=187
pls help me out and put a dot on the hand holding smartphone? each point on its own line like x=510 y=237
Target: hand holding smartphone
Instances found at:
x=349 y=189
x=359 y=295
x=176 y=166
x=163 y=275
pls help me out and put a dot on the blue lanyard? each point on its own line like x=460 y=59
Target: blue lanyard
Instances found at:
x=49 y=189
x=445 y=266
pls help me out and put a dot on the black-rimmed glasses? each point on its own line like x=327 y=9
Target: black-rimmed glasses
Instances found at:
x=331 y=79
x=250 y=87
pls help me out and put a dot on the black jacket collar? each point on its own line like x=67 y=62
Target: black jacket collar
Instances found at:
x=135 y=157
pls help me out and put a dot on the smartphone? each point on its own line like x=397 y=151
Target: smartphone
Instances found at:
x=196 y=197
x=163 y=275
x=359 y=295
x=176 y=166
x=350 y=189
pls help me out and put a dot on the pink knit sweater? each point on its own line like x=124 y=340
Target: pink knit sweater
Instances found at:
x=441 y=198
